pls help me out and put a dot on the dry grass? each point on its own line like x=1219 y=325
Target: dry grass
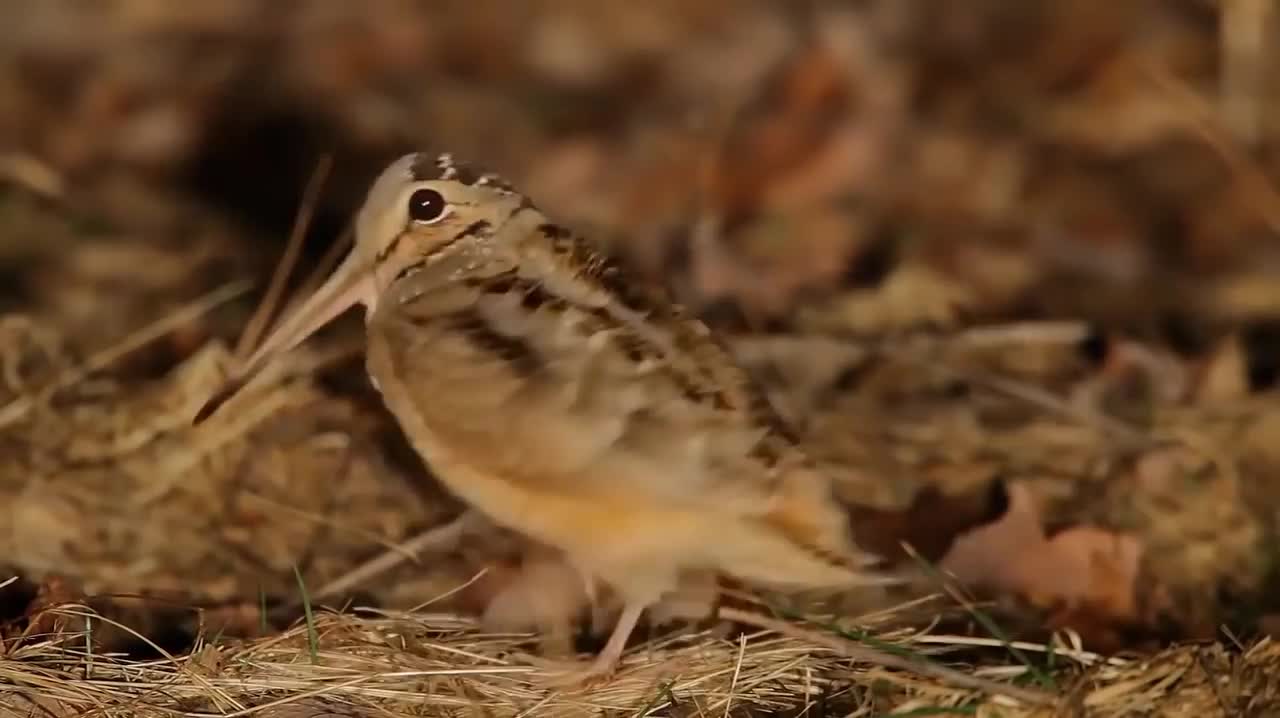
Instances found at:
x=438 y=664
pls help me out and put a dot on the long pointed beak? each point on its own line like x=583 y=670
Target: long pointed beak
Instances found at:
x=350 y=284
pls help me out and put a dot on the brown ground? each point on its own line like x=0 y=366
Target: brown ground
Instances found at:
x=996 y=259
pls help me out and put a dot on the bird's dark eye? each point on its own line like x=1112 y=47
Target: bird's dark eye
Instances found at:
x=426 y=205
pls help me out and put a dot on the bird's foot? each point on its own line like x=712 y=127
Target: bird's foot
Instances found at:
x=582 y=676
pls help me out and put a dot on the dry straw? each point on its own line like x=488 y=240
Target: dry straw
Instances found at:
x=438 y=664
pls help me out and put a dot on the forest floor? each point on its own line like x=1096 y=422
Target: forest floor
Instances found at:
x=1008 y=267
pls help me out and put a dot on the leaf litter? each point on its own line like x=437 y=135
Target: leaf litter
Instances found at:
x=1007 y=266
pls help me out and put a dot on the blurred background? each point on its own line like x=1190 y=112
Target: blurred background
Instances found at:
x=813 y=171
x=1100 y=158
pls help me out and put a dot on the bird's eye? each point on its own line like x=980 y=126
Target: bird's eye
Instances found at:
x=426 y=206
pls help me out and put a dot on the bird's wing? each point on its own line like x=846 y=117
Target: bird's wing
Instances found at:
x=561 y=371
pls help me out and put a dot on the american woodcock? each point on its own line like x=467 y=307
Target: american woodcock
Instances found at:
x=572 y=401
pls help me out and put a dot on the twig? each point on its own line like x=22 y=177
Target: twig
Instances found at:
x=1087 y=658
x=33 y=174
x=853 y=650
x=18 y=408
x=983 y=619
x=1202 y=118
x=327 y=262
x=1049 y=401
x=1024 y=333
x=904 y=350
x=306 y=209
x=433 y=539
x=737 y=671
x=1243 y=31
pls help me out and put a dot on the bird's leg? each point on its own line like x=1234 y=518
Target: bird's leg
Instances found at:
x=606 y=661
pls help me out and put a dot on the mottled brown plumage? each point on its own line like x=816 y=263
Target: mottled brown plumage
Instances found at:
x=567 y=399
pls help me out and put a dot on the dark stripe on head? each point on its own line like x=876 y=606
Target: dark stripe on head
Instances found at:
x=409 y=269
x=387 y=250
x=478 y=228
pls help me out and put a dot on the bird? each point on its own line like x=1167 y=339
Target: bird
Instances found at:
x=567 y=397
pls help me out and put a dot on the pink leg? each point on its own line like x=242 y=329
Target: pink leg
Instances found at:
x=607 y=660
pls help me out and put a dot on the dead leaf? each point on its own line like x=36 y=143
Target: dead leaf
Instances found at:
x=781 y=129
x=1085 y=576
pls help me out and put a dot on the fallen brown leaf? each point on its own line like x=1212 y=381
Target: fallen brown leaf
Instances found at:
x=1085 y=576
